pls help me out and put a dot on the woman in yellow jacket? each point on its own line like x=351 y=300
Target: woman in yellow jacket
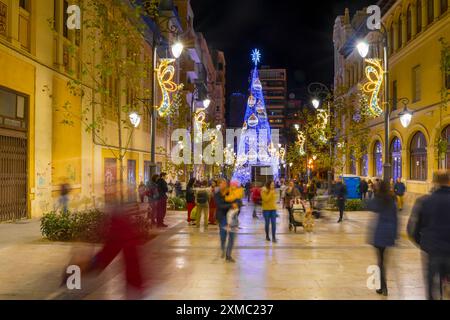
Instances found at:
x=269 y=207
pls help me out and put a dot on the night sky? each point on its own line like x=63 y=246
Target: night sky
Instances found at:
x=292 y=34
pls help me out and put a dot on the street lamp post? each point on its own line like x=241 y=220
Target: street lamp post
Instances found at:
x=320 y=91
x=363 y=49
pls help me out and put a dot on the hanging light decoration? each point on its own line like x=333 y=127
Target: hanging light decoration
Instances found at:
x=375 y=76
x=165 y=74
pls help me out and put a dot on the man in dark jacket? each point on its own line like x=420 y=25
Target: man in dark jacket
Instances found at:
x=429 y=227
x=399 y=190
x=363 y=188
x=162 y=189
x=221 y=214
x=340 y=192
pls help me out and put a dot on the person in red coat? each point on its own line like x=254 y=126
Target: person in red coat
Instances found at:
x=256 y=198
x=212 y=204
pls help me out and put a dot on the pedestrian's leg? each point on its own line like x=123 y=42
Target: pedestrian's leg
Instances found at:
x=273 y=221
x=205 y=216
x=198 y=218
x=135 y=283
x=266 y=223
x=223 y=234
x=164 y=208
x=381 y=252
x=230 y=244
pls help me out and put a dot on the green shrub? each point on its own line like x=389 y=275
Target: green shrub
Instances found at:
x=177 y=203
x=352 y=205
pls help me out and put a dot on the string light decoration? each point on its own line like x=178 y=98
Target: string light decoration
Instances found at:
x=165 y=74
x=322 y=116
x=375 y=76
x=301 y=142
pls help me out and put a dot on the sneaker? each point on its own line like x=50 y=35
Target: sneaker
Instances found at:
x=274 y=240
x=267 y=239
x=230 y=259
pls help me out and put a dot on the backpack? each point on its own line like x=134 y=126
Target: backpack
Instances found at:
x=202 y=197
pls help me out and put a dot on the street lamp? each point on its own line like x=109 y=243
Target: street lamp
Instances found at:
x=135 y=119
x=315 y=103
x=363 y=49
x=177 y=49
x=206 y=103
x=297 y=127
x=405 y=115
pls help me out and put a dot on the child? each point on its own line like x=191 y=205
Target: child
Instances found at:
x=308 y=223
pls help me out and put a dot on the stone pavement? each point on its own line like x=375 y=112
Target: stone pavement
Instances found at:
x=184 y=263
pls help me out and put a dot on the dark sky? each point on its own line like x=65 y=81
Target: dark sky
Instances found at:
x=292 y=34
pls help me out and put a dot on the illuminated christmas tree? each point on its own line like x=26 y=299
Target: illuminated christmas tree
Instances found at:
x=256 y=148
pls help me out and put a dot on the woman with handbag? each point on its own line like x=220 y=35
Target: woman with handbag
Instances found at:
x=269 y=206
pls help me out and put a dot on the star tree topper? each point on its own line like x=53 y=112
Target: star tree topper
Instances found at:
x=256 y=56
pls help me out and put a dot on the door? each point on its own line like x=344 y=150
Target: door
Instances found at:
x=13 y=178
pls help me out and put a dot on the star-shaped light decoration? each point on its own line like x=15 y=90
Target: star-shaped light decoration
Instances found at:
x=256 y=56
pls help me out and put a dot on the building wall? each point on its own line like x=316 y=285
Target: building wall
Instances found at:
x=421 y=48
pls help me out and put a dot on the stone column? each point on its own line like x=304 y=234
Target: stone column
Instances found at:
x=404 y=30
x=414 y=20
x=437 y=8
x=424 y=14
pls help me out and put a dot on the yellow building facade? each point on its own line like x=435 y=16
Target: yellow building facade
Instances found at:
x=415 y=28
x=39 y=151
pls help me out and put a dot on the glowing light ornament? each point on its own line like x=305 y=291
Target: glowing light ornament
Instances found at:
x=164 y=74
x=301 y=142
x=257 y=85
x=252 y=155
x=251 y=101
x=375 y=76
x=253 y=121
x=322 y=116
x=256 y=56
x=200 y=118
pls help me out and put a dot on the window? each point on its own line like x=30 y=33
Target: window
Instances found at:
x=392 y=39
x=396 y=158
x=65 y=17
x=430 y=6
x=419 y=16
x=378 y=159
x=409 y=24
x=394 y=95
x=444 y=162
x=365 y=165
x=416 y=78
x=25 y=4
x=419 y=157
x=13 y=108
x=444 y=6
x=399 y=32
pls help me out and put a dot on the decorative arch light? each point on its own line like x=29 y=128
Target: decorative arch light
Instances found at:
x=165 y=74
x=375 y=76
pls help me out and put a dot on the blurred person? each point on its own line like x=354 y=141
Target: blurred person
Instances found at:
x=162 y=189
x=212 y=203
x=235 y=194
x=256 y=198
x=222 y=210
x=269 y=206
x=152 y=194
x=178 y=189
x=63 y=200
x=386 y=228
x=283 y=187
x=248 y=187
x=202 y=204
x=391 y=185
x=311 y=192
x=429 y=228
x=370 y=188
x=190 y=198
x=340 y=192
x=290 y=194
x=363 y=189
x=399 y=190
x=376 y=186
x=121 y=236
x=142 y=191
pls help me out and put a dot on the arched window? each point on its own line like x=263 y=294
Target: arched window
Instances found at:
x=378 y=159
x=419 y=157
x=408 y=24
x=419 y=16
x=430 y=7
x=396 y=158
x=399 y=32
x=444 y=6
x=444 y=161
x=364 y=166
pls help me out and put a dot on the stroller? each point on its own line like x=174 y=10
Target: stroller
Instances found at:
x=296 y=214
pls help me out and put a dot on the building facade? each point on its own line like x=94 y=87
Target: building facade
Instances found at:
x=274 y=82
x=414 y=28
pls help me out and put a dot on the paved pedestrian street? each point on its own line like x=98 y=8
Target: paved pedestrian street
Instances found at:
x=184 y=263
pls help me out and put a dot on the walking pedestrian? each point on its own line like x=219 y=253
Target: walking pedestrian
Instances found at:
x=222 y=210
x=429 y=228
x=202 y=203
x=311 y=192
x=142 y=190
x=363 y=189
x=386 y=228
x=341 y=195
x=269 y=206
x=64 y=197
x=162 y=189
x=370 y=188
x=212 y=203
x=256 y=198
x=291 y=193
x=153 y=200
x=399 y=190
x=190 y=198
